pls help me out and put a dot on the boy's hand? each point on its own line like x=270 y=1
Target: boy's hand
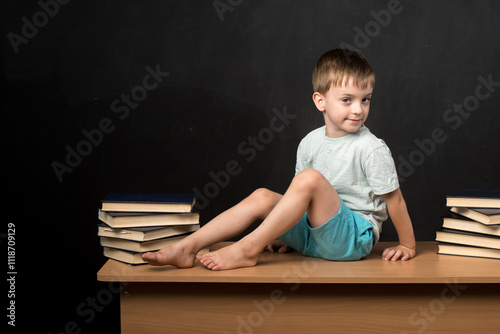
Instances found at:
x=398 y=252
x=279 y=246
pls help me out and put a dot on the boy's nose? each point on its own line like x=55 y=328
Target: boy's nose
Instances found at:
x=357 y=109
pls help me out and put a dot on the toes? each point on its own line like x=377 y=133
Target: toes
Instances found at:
x=208 y=260
x=149 y=257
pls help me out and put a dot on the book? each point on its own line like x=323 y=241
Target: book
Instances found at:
x=148 y=202
x=461 y=250
x=467 y=238
x=119 y=219
x=144 y=233
x=487 y=216
x=474 y=198
x=457 y=222
x=131 y=257
x=139 y=246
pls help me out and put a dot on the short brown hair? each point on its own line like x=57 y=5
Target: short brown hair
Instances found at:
x=335 y=67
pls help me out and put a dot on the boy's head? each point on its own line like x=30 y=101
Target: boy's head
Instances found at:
x=338 y=67
x=343 y=84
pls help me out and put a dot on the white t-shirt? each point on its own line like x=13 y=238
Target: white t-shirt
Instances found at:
x=359 y=166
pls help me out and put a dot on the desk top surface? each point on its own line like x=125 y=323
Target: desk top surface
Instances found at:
x=426 y=267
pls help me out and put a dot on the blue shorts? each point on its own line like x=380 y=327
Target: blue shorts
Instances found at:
x=345 y=237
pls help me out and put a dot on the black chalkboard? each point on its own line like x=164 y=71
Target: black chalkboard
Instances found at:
x=160 y=96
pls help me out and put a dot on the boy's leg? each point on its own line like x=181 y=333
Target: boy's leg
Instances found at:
x=228 y=224
x=309 y=191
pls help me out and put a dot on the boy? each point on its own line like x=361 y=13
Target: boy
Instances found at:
x=345 y=184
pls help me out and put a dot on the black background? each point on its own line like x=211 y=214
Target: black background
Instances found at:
x=228 y=75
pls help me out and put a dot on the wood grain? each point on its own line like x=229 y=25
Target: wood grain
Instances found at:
x=427 y=267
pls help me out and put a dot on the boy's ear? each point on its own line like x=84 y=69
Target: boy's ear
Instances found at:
x=319 y=101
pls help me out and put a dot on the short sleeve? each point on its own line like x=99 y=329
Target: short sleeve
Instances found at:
x=380 y=171
x=300 y=164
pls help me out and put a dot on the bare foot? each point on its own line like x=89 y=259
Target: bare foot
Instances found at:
x=229 y=257
x=174 y=255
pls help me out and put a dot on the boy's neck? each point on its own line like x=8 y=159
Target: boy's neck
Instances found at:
x=335 y=134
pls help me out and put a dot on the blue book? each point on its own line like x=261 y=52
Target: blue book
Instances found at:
x=486 y=216
x=148 y=202
x=451 y=236
x=474 y=198
x=464 y=250
x=129 y=257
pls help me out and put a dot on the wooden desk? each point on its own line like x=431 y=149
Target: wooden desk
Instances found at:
x=290 y=293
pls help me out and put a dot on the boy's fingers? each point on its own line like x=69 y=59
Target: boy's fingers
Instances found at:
x=397 y=255
x=392 y=254
x=385 y=253
x=388 y=253
x=284 y=249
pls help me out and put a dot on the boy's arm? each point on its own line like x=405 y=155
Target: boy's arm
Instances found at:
x=401 y=219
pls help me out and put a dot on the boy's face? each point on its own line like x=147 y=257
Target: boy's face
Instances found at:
x=345 y=108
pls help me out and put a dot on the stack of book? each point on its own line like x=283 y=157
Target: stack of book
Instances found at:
x=135 y=223
x=472 y=226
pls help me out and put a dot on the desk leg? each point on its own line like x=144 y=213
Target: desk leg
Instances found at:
x=309 y=308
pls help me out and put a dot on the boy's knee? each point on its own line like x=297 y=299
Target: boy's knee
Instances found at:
x=262 y=194
x=309 y=178
x=264 y=199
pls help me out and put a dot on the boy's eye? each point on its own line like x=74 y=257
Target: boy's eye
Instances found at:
x=346 y=100
x=366 y=99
